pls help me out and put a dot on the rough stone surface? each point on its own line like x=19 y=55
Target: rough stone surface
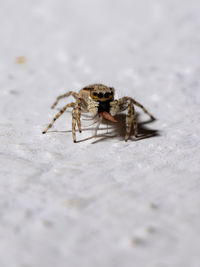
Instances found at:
x=101 y=202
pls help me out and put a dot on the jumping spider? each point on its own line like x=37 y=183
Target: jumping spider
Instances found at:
x=98 y=99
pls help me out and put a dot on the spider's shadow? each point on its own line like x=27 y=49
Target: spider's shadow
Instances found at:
x=119 y=129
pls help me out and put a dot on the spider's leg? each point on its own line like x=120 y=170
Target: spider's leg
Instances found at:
x=74 y=119
x=126 y=98
x=135 y=125
x=130 y=119
x=79 y=114
x=75 y=95
x=143 y=108
x=58 y=115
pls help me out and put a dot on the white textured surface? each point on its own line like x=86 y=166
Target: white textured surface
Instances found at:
x=102 y=202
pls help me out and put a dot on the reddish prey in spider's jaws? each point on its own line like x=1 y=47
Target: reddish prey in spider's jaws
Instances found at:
x=107 y=116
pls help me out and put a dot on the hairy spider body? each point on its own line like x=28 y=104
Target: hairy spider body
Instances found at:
x=98 y=99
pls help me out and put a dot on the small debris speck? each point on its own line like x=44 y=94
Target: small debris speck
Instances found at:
x=21 y=60
x=137 y=241
x=153 y=206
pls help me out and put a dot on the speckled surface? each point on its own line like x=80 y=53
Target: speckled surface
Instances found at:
x=101 y=202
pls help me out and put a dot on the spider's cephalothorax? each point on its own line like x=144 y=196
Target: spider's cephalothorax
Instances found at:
x=99 y=99
x=100 y=95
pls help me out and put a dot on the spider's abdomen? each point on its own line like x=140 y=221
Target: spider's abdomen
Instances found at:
x=104 y=106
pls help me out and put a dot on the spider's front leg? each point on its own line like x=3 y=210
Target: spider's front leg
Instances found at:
x=121 y=105
x=58 y=115
x=76 y=118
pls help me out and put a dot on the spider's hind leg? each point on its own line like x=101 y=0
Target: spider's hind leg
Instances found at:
x=143 y=108
x=74 y=94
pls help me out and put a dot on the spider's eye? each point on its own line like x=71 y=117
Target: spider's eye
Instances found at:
x=94 y=94
x=111 y=93
x=100 y=95
x=106 y=95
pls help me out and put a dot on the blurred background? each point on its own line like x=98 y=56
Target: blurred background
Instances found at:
x=111 y=41
x=108 y=203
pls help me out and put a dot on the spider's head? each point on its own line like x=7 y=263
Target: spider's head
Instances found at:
x=102 y=93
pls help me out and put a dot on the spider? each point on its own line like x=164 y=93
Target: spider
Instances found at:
x=98 y=99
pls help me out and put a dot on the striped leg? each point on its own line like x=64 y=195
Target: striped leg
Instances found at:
x=135 y=123
x=143 y=108
x=130 y=119
x=58 y=115
x=75 y=95
x=126 y=98
x=74 y=119
x=79 y=114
